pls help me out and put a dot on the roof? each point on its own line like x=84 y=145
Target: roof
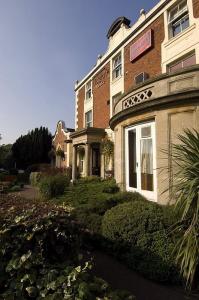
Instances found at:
x=116 y=25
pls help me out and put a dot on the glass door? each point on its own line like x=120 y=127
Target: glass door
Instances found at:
x=140 y=160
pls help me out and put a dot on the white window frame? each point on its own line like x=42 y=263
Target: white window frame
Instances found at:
x=180 y=15
x=150 y=195
x=117 y=66
x=89 y=123
x=88 y=90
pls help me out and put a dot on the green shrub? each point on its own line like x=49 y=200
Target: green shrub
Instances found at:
x=35 y=178
x=15 y=188
x=23 y=178
x=89 y=179
x=53 y=186
x=123 y=197
x=41 y=258
x=110 y=186
x=88 y=220
x=139 y=234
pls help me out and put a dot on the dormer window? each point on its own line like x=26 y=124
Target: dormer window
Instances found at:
x=89 y=90
x=178 y=19
x=117 y=66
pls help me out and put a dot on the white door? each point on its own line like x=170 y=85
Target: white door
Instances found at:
x=141 y=160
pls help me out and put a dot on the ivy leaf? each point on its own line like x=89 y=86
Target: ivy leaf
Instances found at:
x=32 y=291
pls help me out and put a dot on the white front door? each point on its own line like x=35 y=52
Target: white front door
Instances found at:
x=141 y=160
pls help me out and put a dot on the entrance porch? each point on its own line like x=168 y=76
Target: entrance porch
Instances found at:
x=87 y=157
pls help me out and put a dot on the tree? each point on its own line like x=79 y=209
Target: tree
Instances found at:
x=32 y=148
x=186 y=189
x=6 y=160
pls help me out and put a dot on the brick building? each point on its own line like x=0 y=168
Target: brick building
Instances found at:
x=62 y=146
x=141 y=94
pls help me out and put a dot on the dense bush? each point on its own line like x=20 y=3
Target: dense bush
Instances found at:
x=111 y=187
x=138 y=232
x=41 y=258
x=52 y=186
x=89 y=179
x=123 y=197
x=23 y=178
x=35 y=178
x=15 y=188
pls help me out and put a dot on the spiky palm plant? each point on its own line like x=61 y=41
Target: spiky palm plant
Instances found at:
x=185 y=188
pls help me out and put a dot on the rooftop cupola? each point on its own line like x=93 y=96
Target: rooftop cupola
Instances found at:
x=116 y=25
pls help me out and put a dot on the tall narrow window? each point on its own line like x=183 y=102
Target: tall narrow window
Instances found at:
x=141 y=159
x=132 y=159
x=146 y=159
x=117 y=67
x=88 y=119
x=89 y=90
x=178 y=18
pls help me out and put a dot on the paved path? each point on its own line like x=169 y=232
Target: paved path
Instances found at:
x=28 y=192
x=120 y=277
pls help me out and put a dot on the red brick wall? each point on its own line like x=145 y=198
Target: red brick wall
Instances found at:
x=101 y=94
x=59 y=138
x=196 y=8
x=80 y=110
x=150 y=61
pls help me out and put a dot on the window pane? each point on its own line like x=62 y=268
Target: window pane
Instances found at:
x=185 y=23
x=146 y=165
x=132 y=159
x=146 y=132
x=173 y=14
x=176 y=67
x=183 y=63
x=182 y=6
x=88 y=118
x=176 y=28
x=189 y=61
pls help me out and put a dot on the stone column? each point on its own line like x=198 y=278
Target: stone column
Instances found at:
x=74 y=163
x=102 y=168
x=87 y=159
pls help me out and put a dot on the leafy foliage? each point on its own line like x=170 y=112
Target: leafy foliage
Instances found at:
x=60 y=153
x=107 y=150
x=139 y=235
x=32 y=148
x=111 y=187
x=6 y=160
x=185 y=157
x=52 y=186
x=35 y=178
x=40 y=255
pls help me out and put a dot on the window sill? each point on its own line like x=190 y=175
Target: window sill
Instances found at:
x=116 y=79
x=178 y=36
x=88 y=100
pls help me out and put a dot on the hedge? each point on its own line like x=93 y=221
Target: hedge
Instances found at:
x=52 y=186
x=138 y=232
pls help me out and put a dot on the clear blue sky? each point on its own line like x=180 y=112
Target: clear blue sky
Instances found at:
x=45 y=46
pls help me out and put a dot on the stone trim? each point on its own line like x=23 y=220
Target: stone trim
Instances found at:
x=157 y=78
x=88 y=131
x=176 y=99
